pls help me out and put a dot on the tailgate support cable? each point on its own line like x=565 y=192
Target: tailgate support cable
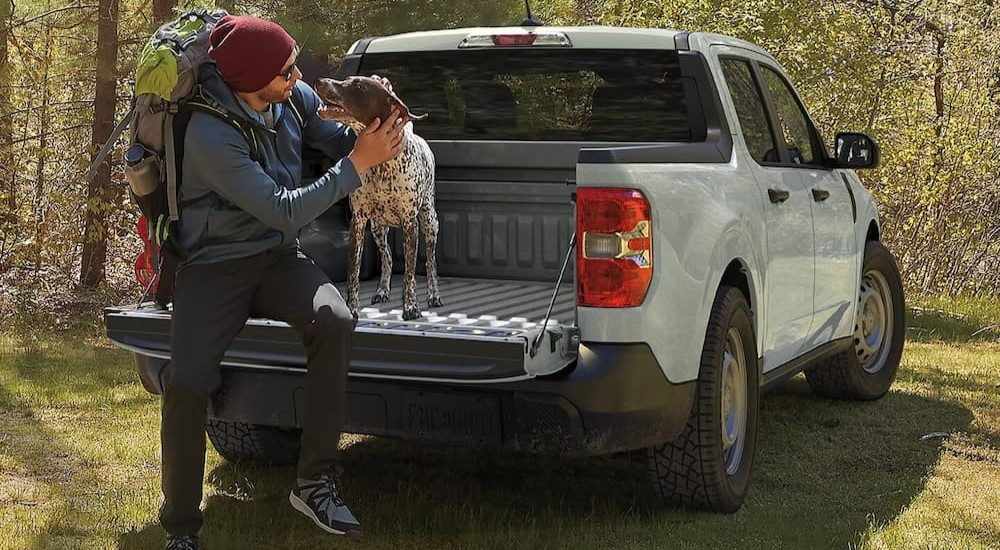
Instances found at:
x=545 y=324
x=145 y=293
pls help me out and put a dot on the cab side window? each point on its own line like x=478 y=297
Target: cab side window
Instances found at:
x=750 y=110
x=792 y=121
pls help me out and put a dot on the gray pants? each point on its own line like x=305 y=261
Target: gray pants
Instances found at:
x=211 y=304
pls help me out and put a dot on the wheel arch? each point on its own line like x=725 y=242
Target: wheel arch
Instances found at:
x=738 y=275
x=873 y=233
x=737 y=263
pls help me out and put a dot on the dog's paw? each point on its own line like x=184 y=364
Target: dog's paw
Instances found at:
x=410 y=313
x=381 y=296
x=434 y=301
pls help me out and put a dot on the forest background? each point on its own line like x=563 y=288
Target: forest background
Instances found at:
x=922 y=77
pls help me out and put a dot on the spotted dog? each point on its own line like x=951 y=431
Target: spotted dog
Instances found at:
x=396 y=193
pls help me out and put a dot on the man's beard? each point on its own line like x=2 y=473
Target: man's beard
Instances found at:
x=273 y=96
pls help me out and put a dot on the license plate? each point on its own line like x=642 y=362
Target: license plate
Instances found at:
x=452 y=416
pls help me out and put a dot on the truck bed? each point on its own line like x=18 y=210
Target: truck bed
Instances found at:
x=474 y=302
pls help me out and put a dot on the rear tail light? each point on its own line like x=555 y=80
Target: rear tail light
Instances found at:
x=614 y=259
x=145 y=262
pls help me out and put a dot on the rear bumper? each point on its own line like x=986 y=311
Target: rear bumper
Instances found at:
x=614 y=398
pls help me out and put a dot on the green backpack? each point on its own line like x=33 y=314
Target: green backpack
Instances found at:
x=166 y=80
x=166 y=94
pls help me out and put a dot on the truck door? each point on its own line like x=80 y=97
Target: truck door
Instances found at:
x=833 y=218
x=787 y=211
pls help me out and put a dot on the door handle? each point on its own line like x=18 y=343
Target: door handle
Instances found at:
x=820 y=195
x=777 y=195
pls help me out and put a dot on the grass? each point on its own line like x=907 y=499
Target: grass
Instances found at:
x=920 y=468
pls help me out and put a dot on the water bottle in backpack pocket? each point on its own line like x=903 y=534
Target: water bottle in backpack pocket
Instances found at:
x=143 y=169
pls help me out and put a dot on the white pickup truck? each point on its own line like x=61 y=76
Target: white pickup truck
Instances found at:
x=641 y=231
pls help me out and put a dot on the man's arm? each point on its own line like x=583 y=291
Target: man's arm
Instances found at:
x=221 y=157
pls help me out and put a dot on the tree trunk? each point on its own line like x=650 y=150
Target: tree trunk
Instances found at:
x=8 y=206
x=163 y=11
x=940 y=41
x=44 y=122
x=95 y=234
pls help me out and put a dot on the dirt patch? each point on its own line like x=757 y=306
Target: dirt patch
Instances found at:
x=21 y=490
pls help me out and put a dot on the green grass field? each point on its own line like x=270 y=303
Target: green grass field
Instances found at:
x=79 y=467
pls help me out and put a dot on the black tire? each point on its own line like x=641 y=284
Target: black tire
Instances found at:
x=868 y=368
x=706 y=466
x=265 y=445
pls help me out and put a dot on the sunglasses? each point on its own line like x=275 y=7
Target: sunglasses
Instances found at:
x=291 y=69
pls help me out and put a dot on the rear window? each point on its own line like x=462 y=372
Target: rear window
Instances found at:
x=541 y=94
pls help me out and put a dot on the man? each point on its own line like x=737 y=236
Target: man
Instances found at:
x=238 y=228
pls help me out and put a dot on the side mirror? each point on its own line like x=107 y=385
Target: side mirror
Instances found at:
x=856 y=151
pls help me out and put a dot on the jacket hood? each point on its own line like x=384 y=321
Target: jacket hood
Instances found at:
x=214 y=87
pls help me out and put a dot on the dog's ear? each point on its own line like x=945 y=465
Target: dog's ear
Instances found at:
x=394 y=101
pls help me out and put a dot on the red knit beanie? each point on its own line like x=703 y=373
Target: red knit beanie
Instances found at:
x=249 y=51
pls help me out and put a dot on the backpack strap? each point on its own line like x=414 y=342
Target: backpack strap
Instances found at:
x=199 y=102
x=171 y=160
x=169 y=258
x=110 y=143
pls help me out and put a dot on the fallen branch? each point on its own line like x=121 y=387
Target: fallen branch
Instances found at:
x=984 y=329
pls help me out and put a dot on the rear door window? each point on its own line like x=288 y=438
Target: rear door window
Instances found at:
x=542 y=94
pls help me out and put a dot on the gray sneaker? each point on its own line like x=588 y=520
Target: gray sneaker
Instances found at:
x=182 y=542
x=320 y=500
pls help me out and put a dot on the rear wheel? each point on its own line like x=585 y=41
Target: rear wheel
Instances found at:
x=868 y=368
x=243 y=442
x=708 y=465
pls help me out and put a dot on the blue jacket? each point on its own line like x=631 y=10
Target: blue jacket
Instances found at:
x=231 y=206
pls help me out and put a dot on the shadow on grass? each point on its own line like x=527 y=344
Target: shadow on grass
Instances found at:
x=52 y=467
x=58 y=376
x=929 y=324
x=824 y=472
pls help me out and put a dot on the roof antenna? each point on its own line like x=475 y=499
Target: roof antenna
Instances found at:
x=531 y=21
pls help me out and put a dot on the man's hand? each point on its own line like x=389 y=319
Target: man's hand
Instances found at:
x=378 y=142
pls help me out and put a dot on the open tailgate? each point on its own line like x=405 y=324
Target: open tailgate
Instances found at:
x=489 y=331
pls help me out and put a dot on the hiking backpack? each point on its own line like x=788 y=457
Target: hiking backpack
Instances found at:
x=167 y=92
